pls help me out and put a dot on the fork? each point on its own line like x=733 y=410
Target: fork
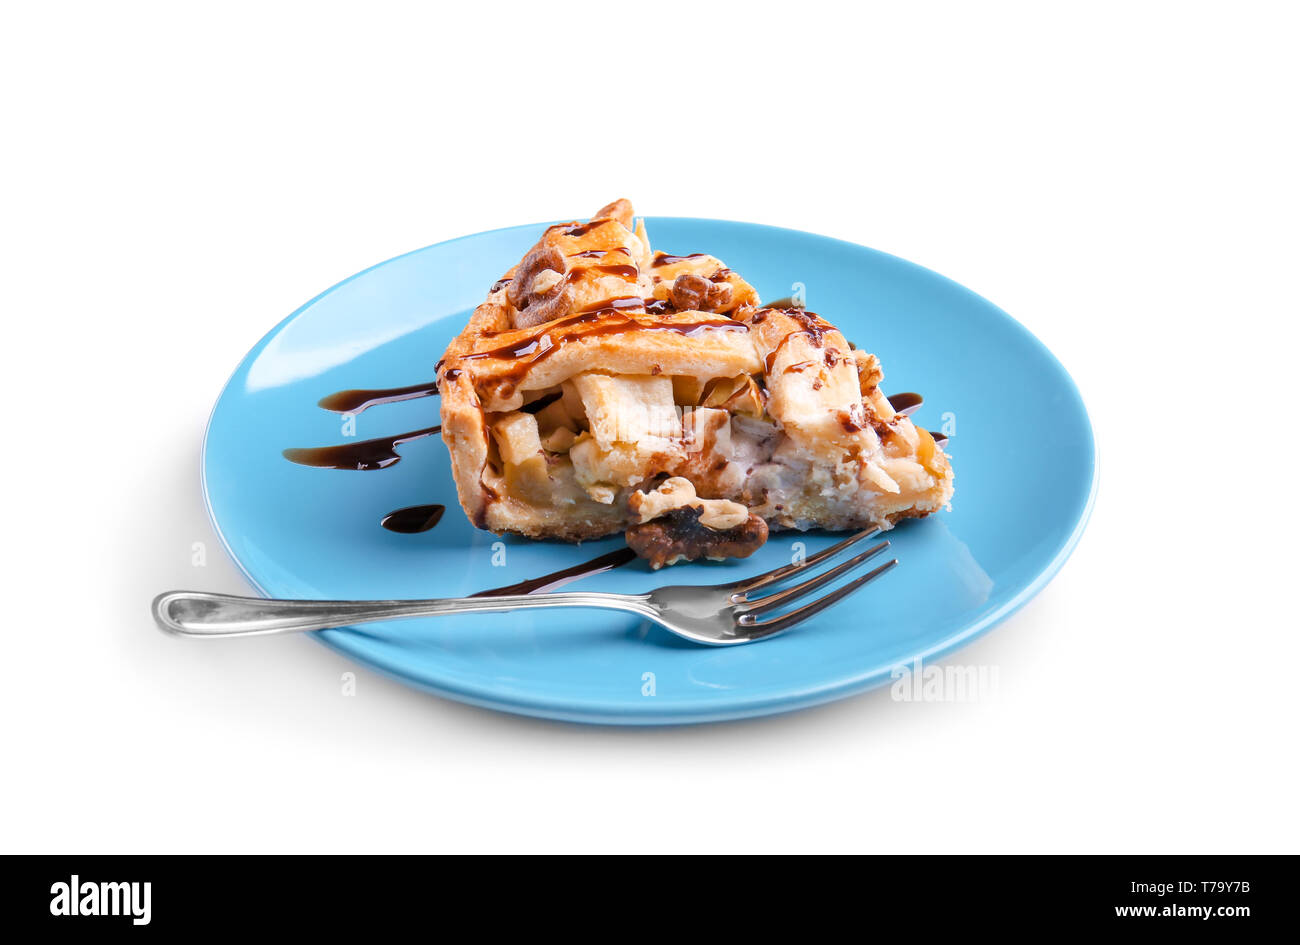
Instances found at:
x=715 y=615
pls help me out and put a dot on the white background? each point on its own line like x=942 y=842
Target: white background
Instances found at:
x=1122 y=178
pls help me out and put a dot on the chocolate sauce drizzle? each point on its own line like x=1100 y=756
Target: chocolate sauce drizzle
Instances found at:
x=624 y=303
x=531 y=350
x=906 y=403
x=814 y=329
x=663 y=259
x=579 y=229
x=355 y=401
x=416 y=518
x=547 y=582
x=379 y=453
x=626 y=271
x=598 y=253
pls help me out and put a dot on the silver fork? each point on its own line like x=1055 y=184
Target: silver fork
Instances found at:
x=717 y=615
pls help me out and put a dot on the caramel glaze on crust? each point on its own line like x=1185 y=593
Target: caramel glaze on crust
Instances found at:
x=596 y=367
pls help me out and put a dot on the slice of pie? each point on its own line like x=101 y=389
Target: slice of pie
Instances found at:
x=603 y=387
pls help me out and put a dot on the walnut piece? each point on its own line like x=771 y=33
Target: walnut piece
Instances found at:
x=694 y=293
x=675 y=524
x=869 y=373
x=679 y=536
x=679 y=493
x=537 y=290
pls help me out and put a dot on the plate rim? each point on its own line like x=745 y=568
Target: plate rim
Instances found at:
x=597 y=712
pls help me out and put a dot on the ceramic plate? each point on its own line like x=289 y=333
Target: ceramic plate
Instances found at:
x=1020 y=441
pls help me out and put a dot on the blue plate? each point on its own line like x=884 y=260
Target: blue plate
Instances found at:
x=1020 y=440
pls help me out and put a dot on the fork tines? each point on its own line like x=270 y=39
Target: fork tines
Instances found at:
x=749 y=609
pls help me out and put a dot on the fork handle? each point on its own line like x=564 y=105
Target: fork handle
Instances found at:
x=196 y=614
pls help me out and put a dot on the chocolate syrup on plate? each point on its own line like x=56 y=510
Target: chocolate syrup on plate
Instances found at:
x=547 y=582
x=378 y=453
x=906 y=404
x=355 y=401
x=416 y=518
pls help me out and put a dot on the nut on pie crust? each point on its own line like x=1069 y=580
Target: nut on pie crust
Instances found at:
x=598 y=370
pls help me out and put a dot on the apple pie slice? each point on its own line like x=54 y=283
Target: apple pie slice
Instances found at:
x=604 y=387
